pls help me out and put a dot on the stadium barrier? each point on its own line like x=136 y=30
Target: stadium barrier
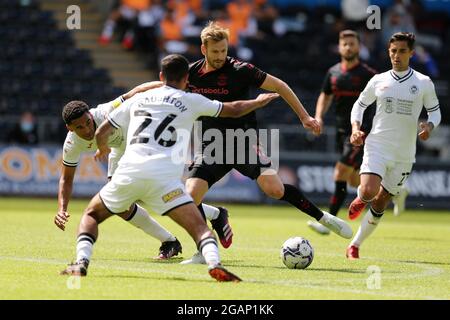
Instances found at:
x=35 y=172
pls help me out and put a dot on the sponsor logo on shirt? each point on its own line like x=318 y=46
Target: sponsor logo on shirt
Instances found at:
x=172 y=195
x=211 y=91
x=389 y=101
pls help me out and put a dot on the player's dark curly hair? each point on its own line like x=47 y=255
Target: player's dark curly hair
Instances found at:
x=74 y=110
x=174 y=67
x=409 y=37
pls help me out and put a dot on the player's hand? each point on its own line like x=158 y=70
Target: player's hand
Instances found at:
x=265 y=98
x=312 y=125
x=357 y=138
x=102 y=154
x=61 y=218
x=320 y=121
x=425 y=130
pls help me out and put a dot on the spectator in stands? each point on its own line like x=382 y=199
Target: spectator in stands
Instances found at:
x=127 y=10
x=398 y=19
x=25 y=132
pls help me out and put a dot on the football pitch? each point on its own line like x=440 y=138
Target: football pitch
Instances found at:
x=408 y=257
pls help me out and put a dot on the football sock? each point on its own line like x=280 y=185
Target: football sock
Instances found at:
x=210 y=212
x=108 y=29
x=340 y=193
x=210 y=251
x=142 y=220
x=200 y=208
x=368 y=225
x=295 y=197
x=85 y=242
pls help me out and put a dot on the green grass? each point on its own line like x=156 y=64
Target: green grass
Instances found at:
x=412 y=252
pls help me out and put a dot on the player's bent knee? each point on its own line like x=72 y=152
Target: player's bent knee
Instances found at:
x=196 y=188
x=274 y=192
x=368 y=192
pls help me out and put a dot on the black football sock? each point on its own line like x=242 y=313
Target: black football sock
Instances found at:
x=295 y=197
x=337 y=199
x=200 y=208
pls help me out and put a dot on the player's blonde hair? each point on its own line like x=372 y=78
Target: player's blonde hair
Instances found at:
x=213 y=31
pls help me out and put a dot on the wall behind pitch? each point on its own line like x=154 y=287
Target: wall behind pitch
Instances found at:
x=35 y=172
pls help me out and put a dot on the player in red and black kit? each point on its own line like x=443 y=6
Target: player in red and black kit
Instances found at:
x=343 y=83
x=220 y=77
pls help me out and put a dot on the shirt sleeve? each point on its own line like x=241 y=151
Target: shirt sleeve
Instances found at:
x=430 y=100
x=365 y=99
x=205 y=106
x=120 y=117
x=253 y=75
x=326 y=85
x=367 y=96
x=70 y=154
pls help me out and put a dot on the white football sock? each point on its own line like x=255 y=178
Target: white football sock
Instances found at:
x=368 y=225
x=210 y=251
x=85 y=242
x=211 y=212
x=108 y=29
x=142 y=220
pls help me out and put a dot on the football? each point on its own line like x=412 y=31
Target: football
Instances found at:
x=297 y=253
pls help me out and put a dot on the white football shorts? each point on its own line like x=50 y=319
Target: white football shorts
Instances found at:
x=393 y=174
x=160 y=195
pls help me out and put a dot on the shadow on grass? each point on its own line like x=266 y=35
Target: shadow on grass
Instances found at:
x=147 y=260
x=152 y=277
x=238 y=264
x=412 y=239
x=424 y=262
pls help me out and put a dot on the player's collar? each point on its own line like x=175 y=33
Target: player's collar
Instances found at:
x=401 y=76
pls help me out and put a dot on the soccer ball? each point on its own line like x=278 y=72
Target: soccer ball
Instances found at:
x=297 y=253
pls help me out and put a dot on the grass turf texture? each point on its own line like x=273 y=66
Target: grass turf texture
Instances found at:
x=412 y=252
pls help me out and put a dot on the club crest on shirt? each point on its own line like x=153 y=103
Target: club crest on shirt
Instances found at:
x=172 y=195
x=413 y=89
x=222 y=80
x=389 y=101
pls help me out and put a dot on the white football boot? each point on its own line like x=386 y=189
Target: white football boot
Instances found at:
x=336 y=225
x=317 y=227
x=197 y=258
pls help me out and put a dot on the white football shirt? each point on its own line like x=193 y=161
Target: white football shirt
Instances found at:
x=74 y=146
x=400 y=97
x=159 y=125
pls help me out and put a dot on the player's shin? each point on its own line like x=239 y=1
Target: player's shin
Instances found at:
x=368 y=226
x=338 y=198
x=142 y=220
x=295 y=197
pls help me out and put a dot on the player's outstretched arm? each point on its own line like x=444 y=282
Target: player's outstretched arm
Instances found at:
x=240 y=108
x=64 y=194
x=322 y=106
x=142 y=88
x=101 y=136
x=272 y=83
